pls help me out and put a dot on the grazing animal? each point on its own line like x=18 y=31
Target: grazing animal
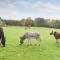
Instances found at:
x=56 y=35
x=27 y=27
x=2 y=38
x=30 y=35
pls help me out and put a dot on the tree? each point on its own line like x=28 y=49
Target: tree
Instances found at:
x=22 y=22
x=29 y=21
x=41 y=22
x=55 y=23
x=1 y=22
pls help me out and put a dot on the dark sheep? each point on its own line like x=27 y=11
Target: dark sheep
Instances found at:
x=2 y=38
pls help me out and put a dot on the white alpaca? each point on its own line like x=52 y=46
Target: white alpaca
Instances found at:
x=30 y=35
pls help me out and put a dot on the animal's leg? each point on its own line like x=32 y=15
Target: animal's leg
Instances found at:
x=57 y=41
x=30 y=41
x=25 y=28
x=38 y=40
x=3 y=42
x=0 y=41
x=29 y=27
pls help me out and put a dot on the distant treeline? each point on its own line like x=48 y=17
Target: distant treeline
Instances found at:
x=39 y=22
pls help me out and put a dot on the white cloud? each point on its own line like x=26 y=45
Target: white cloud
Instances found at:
x=38 y=5
x=10 y=8
x=7 y=4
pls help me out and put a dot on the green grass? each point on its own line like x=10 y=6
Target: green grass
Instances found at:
x=49 y=49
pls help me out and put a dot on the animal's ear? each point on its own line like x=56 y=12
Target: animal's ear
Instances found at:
x=52 y=30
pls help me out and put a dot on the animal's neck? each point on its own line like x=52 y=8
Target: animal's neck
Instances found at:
x=24 y=37
x=54 y=33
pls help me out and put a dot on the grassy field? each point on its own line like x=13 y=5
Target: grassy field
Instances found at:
x=48 y=50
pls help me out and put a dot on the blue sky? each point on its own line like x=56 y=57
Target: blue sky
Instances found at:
x=17 y=9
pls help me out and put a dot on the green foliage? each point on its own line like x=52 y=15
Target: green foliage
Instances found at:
x=29 y=21
x=22 y=22
x=55 y=23
x=2 y=23
x=41 y=22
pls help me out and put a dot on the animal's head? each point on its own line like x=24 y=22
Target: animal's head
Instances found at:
x=52 y=33
x=22 y=40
